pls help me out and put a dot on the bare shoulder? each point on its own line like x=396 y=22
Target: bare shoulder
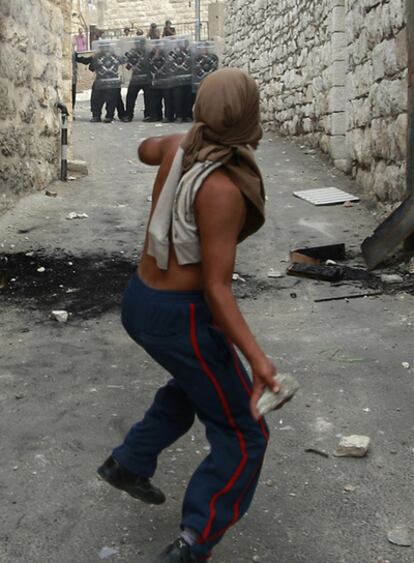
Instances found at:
x=154 y=150
x=220 y=205
x=219 y=188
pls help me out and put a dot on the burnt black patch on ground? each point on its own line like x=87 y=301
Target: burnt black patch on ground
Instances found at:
x=85 y=286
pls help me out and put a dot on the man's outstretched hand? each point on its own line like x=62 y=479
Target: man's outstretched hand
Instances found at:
x=263 y=373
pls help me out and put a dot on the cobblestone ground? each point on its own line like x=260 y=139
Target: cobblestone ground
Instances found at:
x=69 y=392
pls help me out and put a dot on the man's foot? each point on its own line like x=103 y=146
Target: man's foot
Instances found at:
x=95 y=120
x=126 y=119
x=188 y=119
x=179 y=120
x=138 y=487
x=147 y=118
x=153 y=119
x=108 y=119
x=168 y=120
x=177 y=552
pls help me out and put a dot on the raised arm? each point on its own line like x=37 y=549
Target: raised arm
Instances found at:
x=153 y=150
x=220 y=213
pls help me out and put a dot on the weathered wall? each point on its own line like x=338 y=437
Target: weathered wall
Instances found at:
x=118 y=13
x=332 y=73
x=34 y=62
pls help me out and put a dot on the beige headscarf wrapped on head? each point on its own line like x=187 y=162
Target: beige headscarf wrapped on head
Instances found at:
x=226 y=125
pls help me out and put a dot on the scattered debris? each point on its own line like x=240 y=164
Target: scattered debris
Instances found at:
x=274 y=274
x=270 y=401
x=402 y=536
x=353 y=446
x=337 y=354
x=410 y=266
x=325 y=273
x=318 y=254
x=350 y=296
x=406 y=365
x=317 y=451
x=293 y=295
x=348 y=204
x=50 y=193
x=107 y=552
x=391 y=278
x=60 y=316
x=237 y=277
x=349 y=488
x=75 y=215
x=325 y=196
x=392 y=232
x=149 y=198
x=78 y=167
x=41 y=270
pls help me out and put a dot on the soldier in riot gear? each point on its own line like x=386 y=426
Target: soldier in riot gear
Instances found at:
x=205 y=61
x=137 y=62
x=158 y=74
x=180 y=71
x=107 y=85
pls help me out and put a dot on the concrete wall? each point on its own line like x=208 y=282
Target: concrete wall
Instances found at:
x=334 y=74
x=34 y=65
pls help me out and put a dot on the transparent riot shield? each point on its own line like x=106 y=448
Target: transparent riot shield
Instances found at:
x=205 y=61
x=179 y=61
x=107 y=63
x=136 y=60
x=157 y=63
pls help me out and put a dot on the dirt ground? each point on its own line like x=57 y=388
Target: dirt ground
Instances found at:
x=69 y=392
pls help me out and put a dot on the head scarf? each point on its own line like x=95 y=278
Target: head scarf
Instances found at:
x=226 y=115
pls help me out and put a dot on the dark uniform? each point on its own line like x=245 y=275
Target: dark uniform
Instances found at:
x=137 y=62
x=107 y=85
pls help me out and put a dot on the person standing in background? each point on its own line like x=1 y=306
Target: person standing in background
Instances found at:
x=168 y=29
x=81 y=41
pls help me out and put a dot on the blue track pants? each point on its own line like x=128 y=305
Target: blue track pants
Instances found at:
x=208 y=380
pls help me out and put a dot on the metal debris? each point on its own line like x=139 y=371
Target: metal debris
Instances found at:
x=317 y=451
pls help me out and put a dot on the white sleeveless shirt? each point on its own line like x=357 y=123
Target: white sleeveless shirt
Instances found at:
x=173 y=220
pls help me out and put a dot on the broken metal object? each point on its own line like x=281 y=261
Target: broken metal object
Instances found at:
x=350 y=296
x=325 y=273
x=353 y=446
x=318 y=254
x=270 y=401
x=398 y=227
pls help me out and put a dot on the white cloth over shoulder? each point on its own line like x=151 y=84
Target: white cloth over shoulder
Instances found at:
x=174 y=214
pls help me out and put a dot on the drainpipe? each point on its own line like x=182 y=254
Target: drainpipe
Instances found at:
x=64 y=142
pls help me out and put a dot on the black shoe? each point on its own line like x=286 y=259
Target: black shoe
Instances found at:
x=108 y=119
x=147 y=118
x=179 y=120
x=126 y=119
x=138 y=487
x=95 y=120
x=168 y=120
x=188 y=119
x=177 y=552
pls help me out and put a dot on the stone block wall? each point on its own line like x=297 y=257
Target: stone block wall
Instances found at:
x=119 y=13
x=333 y=74
x=34 y=66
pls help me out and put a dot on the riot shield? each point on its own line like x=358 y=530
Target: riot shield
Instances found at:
x=179 y=61
x=157 y=63
x=135 y=53
x=106 y=63
x=205 y=61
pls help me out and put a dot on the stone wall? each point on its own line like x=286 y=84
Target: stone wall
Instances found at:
x=333 y=74
x=119 y=13
x=34 y=68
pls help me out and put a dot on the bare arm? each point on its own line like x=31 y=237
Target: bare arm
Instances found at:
x=220 y=213
x=153 y=150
